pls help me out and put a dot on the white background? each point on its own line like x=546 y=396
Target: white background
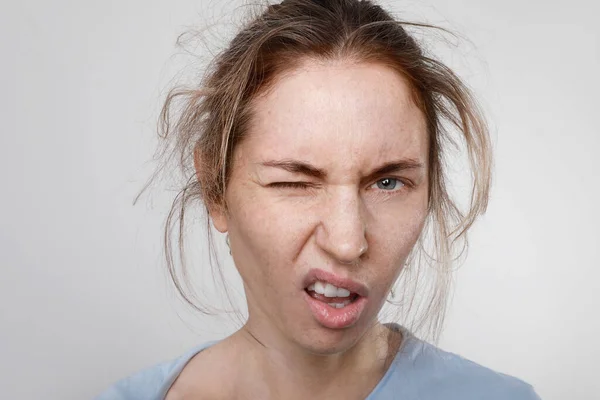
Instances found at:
x=84 y=298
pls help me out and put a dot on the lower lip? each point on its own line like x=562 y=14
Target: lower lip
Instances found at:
x=336 y=318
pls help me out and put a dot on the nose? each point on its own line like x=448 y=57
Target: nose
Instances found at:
x=342 y=229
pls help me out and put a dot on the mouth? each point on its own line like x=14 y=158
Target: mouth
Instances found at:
x=331 y=295
x=335 y=302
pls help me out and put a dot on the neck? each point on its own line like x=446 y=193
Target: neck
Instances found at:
x=276 y=367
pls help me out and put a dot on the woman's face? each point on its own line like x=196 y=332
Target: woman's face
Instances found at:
x=327 y=197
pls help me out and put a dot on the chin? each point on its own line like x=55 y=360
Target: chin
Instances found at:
x=325 y=341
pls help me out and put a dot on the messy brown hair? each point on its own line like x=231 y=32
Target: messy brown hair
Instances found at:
x=201 y=125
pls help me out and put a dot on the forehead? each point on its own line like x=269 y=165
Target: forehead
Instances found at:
x=337 y=115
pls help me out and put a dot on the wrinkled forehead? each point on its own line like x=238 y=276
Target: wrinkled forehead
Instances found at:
x=346 y=117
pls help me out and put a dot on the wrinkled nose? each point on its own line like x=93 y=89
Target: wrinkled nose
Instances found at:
x=342 y=229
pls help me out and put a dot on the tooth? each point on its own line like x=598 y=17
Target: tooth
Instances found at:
x=336 y=305
x=341 y=292
x=319 y=287
x=330 y=290
x=311 y=287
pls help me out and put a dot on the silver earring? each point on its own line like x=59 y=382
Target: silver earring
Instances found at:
x=227 y=241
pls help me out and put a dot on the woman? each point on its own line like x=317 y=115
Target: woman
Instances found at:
x=317 y=142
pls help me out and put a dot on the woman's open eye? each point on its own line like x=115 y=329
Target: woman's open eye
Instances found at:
x=389 y=184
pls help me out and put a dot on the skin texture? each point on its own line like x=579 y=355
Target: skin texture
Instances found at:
x=347 y=120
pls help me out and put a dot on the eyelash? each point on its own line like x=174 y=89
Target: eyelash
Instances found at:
x=306 y=185
x=292 y=185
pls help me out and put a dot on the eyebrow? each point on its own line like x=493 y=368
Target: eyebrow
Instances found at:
x=300 y=167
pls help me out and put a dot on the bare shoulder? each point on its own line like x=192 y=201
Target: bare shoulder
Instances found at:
x=208 y=375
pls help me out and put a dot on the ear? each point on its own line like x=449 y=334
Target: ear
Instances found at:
x=215 y=211
x=218 y=217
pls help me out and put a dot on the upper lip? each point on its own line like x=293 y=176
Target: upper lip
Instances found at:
x=316 y=274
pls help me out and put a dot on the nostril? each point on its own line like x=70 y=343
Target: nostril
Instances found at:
x=363 y=249
x=343 y=237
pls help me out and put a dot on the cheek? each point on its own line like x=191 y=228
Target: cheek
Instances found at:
x=404 y=230
x=270 y=224
x=394 y=234
x=270 y=234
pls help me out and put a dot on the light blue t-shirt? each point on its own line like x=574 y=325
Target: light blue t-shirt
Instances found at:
x=419 y=371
